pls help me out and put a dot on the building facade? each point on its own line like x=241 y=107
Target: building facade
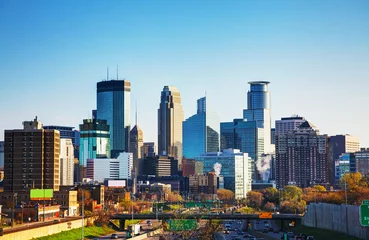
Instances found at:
x=1 y=154
x=66 y=162
x=362 y=161
x=346 y=163
x=191 y=167
x=114 y=106
x=149 y=149
x=136 y=146
x=95 y=140
x=201 y=131
x=336 y=146
x=302 y=157
x=170 y=118
x=288 y=124
x=100 y=169
x=31 y=158
x=234 y=166
x=252 y=133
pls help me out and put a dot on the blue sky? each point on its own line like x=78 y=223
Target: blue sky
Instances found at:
x=314 y=53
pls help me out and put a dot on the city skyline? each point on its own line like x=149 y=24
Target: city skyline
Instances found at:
x=313 y=54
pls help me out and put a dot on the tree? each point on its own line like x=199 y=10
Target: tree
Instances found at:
x=292 y=206
x=271 y=194
x=174 y=197
x=225 y=195
x=291 y=193
x=269 y=207
x=255 y=199
x=320 y=188
x=353 y=181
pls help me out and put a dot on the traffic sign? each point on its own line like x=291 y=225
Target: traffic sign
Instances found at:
x=265 y=215
x=364 y=213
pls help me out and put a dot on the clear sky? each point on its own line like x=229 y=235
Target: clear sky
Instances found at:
x=314 y=53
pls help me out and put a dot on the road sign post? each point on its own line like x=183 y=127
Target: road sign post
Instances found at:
x=364 y=213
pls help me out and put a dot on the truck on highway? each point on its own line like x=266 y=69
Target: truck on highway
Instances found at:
x=134 y=229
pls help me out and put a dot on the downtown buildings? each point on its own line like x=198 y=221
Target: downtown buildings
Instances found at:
x=170 y=118
x=201 y=131
x=302 y=157
x=31 y=158
x=252 y=133
x=113 y=105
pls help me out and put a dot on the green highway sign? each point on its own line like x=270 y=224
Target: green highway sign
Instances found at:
x=364 y=213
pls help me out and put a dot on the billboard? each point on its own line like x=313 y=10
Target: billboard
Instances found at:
x=41 y=194
x=117 y=183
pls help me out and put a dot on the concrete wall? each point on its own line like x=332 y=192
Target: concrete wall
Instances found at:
x=334 y=217
x=44 y=231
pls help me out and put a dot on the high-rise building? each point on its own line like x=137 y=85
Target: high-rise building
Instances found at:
x=252 y=133
x=362 y=161
x=149 y=149
x=302 y=157
x=136 y=146
x=66 y=162
x=346 y=163
x=234 y=166
x=337 y=145
x=31 y=158
x=69 y=133
x=170 y=118
x=288 y=124
x=191 y=167
x=201 y=131
x=160 y=166
x=109 y=168
x=113 y=105
x=95 y=140
x=1 y=154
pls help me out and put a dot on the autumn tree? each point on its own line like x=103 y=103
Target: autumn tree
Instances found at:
x=225 y=195
x=255 y=199
x=293 y=206
x=291 y=193
x=174 y=197
x=271 y=195
x=269 y=207
x=320 y=188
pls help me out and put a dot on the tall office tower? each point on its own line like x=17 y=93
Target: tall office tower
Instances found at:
x=113 y=105
x=160 y=166
x=67 y=132
x=191 y=167
x=302 y=157
x=234 y=166
x=252 y=133
x=95 y=140
x=337 y=145
x=362 y=161
x=272 y=136
x=136 y=146
x=201 y=131
x=346 y=163
x=66 y=162
x=170 y=118
x=31 y=158
x=288 y=124
x=1 y=154
x=149 y=149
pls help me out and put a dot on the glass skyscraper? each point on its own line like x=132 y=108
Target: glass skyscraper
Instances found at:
x=234 y=166
x=94 y=140
x=200 y=131
x=113 y=105
x=170 y=118
x=252 y=133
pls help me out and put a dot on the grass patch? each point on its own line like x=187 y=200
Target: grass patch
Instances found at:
x=245 y=210
x=321 y=234
x=175 y=206
x=129 y=222
x=74 y=234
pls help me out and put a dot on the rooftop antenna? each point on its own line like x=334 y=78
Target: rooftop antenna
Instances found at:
x=107 y=74
x=117 y=73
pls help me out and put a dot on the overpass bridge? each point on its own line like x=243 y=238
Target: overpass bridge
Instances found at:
x=205 y=216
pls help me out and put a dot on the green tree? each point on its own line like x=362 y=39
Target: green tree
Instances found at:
x=271 y=194
x=291 y=193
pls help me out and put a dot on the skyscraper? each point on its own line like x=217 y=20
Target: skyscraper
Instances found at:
x=170 y=118
x=200 y=131
x=95 y=142
x=302 y=157
x=252 y=133
x=1 y=154
x=66 y=162
x=31 y=158
x=136 y=146
x=113 y=105
x=337 y=145
x=288 y=124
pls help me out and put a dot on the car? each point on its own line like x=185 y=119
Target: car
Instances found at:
x=265 y=230
x=236 y=238
x=290 y=234
x=271 y=229
x=114 y=236
x=310 y=238
x=240 y=233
